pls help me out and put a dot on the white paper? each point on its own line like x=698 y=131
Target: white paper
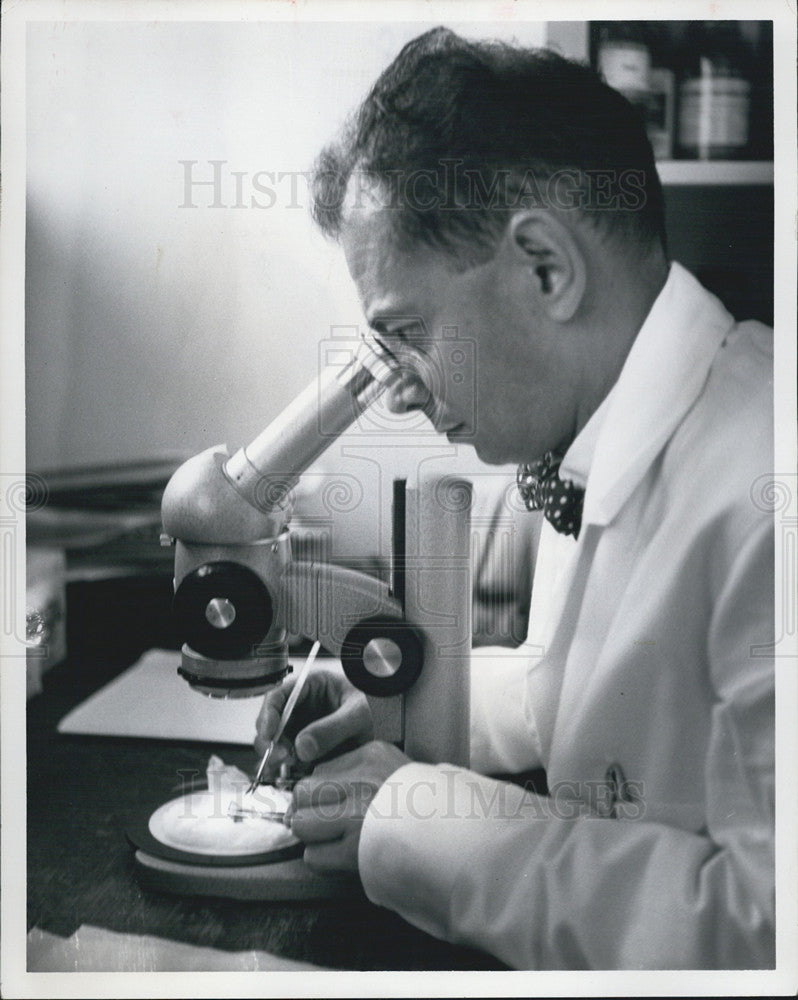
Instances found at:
x=151 y=700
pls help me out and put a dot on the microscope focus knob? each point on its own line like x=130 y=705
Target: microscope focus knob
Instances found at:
x=223 y=610
x=382 y=656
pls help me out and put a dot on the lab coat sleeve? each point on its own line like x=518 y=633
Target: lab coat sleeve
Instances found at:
x=504 y=738
x=487 y=864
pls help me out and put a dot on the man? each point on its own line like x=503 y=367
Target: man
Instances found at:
x=512 y=195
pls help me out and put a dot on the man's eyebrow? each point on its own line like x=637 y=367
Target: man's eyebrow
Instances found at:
x=393 y=324
x=376 y=324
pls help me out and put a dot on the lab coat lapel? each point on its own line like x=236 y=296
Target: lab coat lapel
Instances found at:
x=661 y=379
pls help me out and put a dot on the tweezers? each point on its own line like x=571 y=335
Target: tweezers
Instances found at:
x=293 y=698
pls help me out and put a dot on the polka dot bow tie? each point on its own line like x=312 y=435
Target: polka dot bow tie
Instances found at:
x=560 y=500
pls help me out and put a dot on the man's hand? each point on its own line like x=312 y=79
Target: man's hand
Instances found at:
x=330 y=712
x=330 y=804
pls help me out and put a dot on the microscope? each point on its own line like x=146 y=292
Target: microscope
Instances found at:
x=239 y=593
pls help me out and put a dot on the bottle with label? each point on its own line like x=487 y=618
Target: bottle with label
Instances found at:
x=623 y=56
x=715 y=96
x=629 y=55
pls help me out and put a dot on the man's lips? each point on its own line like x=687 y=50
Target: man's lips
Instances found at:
x=459 y=430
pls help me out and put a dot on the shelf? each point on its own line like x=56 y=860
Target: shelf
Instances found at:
x=712 y=172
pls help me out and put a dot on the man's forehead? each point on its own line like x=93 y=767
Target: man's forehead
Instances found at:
x=375 y=260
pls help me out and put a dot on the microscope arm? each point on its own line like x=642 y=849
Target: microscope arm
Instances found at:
x=356 y=618
x=324 y=602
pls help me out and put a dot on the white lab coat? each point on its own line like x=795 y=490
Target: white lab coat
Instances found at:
x=650 y=702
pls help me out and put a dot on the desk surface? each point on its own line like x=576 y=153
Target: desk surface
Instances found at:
x=80 y=867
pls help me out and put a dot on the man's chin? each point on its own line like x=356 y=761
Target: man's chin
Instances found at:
x=488 y=452
x=459 y=435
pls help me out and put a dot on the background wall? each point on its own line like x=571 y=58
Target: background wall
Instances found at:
x=156 y=328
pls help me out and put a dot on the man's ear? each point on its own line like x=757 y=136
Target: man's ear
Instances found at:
x=546 y=247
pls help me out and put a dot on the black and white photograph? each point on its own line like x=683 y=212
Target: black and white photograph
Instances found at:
x=398 y=498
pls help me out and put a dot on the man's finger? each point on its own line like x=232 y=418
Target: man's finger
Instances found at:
x=316 y=790
x=281 y=752
x=272 y=709
x=351 y=721
x=322 y=823
x=334 y=856
x=331 y=780
x=261 y=742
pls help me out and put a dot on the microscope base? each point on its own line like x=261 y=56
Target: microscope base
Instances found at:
x=278 y=881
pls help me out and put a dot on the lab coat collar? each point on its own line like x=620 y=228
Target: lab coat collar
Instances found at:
x=663 y=375
x=578 y=459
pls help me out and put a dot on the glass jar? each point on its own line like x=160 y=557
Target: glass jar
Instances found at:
x=715 y=98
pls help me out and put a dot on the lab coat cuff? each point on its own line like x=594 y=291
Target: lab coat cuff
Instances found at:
x=421 y=828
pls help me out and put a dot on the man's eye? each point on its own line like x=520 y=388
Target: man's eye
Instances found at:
x=398 y=333
x=410 y=334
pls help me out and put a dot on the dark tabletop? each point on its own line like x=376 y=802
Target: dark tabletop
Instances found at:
x=80 y=867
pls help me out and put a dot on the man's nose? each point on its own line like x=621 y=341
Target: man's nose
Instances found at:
x=406 y=393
